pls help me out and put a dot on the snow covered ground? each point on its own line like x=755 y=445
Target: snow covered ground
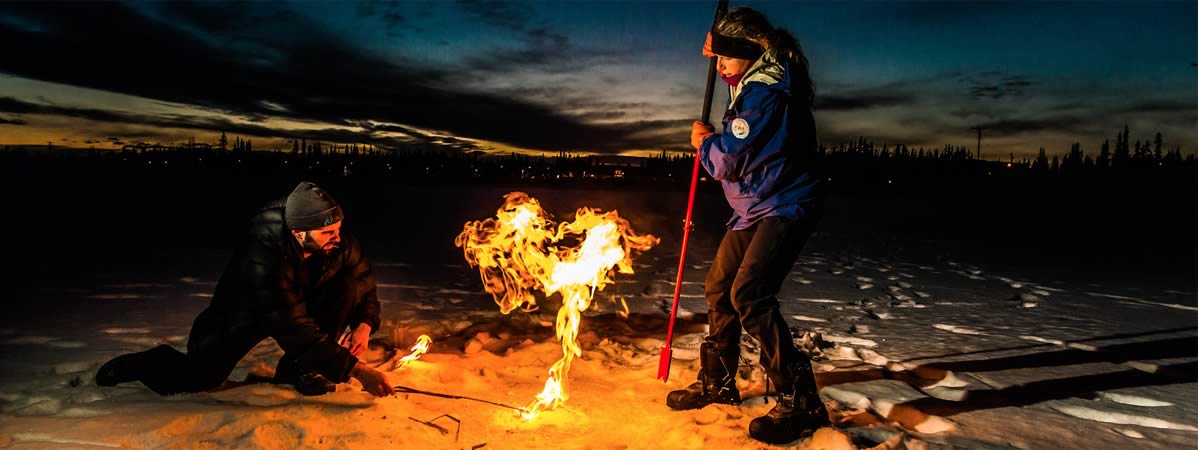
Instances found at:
x=910 y=354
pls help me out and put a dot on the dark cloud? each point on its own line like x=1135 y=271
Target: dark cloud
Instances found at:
x=4 y=121
x=996 y=85
x=1162 y=106
x=598 y=115
x=905 y=92
x=933 y=13
x=387 y=11
x=218 y=56
x=505 y=15
x=1027 y=126
x=1069 y=106
x=221 y=124
x=863 y=101
x=12 y=105
x=541 y=48
x=540 y=51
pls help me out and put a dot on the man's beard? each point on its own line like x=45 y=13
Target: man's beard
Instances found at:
x=310 y=246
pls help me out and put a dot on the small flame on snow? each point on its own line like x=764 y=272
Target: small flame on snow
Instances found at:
x=420 y=348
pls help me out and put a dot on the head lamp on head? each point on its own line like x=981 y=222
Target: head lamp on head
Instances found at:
x=731 y=47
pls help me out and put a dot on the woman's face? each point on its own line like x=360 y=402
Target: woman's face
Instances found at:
x=730 y=67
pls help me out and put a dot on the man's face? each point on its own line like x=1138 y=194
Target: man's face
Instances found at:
x=320 y=240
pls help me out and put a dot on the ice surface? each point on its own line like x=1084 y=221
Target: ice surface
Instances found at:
x=947 y=354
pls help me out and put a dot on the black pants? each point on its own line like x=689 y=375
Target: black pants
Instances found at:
x=742 y=286
x=214 y=348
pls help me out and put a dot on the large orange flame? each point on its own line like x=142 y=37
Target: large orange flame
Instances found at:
x=521 y=250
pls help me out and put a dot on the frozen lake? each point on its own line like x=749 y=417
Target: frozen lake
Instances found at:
x=916 y=342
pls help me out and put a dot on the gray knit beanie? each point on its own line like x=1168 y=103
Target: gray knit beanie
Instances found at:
x=309 y=207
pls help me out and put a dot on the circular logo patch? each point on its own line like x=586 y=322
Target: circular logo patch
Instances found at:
x=740 y=128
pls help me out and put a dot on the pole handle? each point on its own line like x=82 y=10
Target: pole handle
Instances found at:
x=705 y=115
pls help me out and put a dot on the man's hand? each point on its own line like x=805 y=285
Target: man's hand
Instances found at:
x=358 y=340
x=372 y=380
x=700 y=131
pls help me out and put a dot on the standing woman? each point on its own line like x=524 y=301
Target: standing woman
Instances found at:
x=764 y=162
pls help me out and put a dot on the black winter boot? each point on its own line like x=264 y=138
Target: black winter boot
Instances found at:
x=127 y=367
x=313 y=383
x=799 y=410
x=117 y=370
x=717 y=381
x=310 y=383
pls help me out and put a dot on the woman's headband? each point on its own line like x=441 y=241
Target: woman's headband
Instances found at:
x=731 y=47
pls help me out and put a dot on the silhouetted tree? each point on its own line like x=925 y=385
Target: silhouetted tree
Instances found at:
x=1074 y=159
x=223 y=142
x=1041 y=161
x=1122 y=154
x=1157 y=142
x=1104 y=155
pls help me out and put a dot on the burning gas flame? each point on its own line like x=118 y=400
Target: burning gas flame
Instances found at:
x=420 y=348
x=521 y=250
x=417 y=350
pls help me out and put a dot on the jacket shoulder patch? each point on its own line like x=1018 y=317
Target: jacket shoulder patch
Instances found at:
x=740 y=128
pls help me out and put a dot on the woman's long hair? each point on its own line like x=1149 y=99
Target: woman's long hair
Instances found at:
x=749 y=24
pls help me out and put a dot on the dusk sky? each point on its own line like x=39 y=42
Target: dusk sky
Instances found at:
x=589 y=77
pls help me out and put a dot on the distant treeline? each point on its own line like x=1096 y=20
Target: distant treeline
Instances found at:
x=858 y=162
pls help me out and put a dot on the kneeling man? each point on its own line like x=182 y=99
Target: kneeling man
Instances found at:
x=298 y=279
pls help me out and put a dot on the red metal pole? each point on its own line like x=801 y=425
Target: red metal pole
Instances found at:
x=663 y=365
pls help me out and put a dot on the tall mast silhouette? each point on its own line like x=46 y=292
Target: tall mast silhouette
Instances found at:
x=979 y=130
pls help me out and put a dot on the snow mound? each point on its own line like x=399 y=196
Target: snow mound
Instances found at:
x=850 y=340
x=1119 y=418
x=957 y=329
x=1133 y=400
x=63 y=442
x=117 y=296
x=807 y=318
x=1130 y=433
x=125 y=330
x=828 y=439
x=1043 y=340
x=819 y=300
